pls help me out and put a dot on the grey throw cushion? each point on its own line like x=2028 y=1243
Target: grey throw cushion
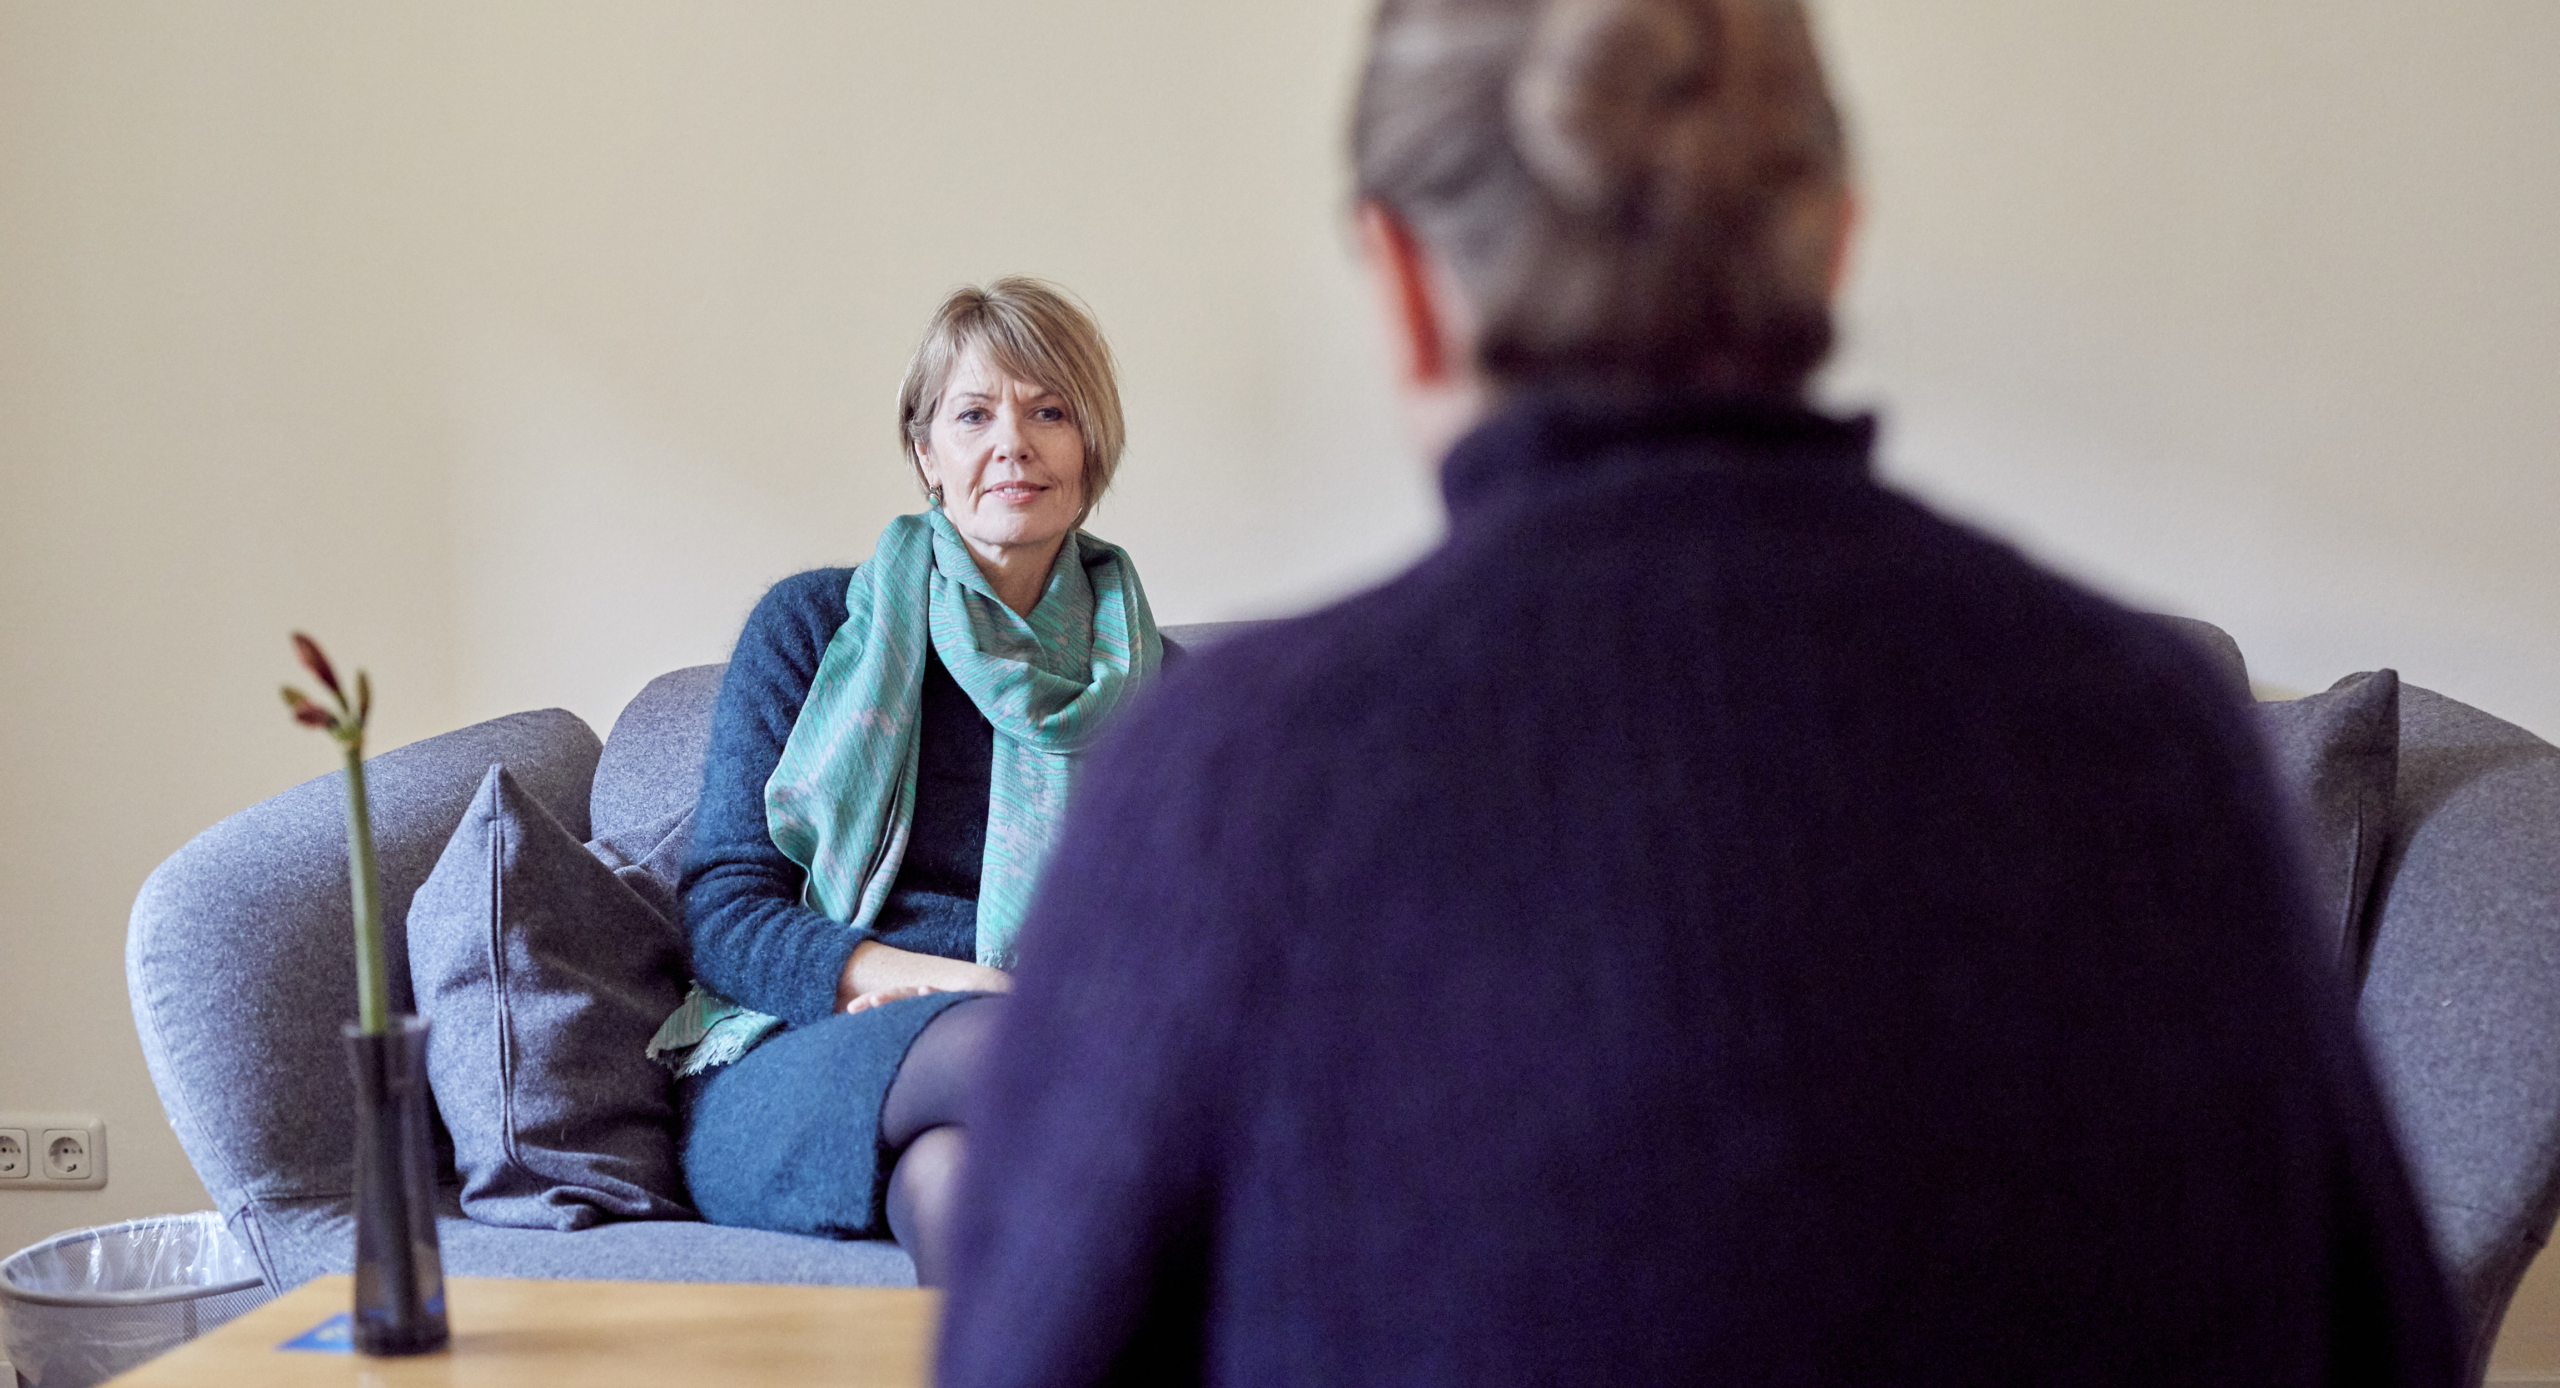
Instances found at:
x=2461 y=1000
x=545 y=968
x=2337 y=754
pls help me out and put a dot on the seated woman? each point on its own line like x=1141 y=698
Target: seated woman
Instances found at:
x=889 y=757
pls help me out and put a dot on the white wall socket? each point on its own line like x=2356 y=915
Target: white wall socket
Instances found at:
x=52 y=1151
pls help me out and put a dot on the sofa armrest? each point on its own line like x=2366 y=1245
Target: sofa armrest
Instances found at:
x=240 y=955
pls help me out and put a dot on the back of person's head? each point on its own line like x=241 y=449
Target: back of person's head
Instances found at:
x=1630 y=193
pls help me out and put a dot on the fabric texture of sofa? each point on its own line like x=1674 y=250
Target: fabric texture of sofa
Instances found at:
x=240 y=966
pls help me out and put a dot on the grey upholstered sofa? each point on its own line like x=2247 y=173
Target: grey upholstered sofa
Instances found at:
x=240 y=962
x=240 y=968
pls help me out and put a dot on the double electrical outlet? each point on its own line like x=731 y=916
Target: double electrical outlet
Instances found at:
x=52 y=1151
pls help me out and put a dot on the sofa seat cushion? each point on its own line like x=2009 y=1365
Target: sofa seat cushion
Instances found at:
x=302 y=1239
x=666 y=1252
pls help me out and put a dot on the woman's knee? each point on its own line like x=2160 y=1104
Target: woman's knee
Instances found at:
x=923 y=1187
x=940 y=1069
x=782 y=1139
x=931 y=1164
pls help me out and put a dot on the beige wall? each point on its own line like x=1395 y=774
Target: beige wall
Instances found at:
x=2251 y=311
x=513 y=347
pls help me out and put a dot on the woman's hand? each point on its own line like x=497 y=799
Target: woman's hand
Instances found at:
x=879 y=973
x=867 y=1001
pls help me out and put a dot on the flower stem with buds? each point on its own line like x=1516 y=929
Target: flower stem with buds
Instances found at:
x=364 y=871
x=364 y=881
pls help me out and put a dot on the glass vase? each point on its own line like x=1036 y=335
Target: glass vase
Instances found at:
x=399 y=1269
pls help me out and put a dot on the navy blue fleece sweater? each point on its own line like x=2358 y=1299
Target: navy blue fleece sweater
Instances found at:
x=1712 y=921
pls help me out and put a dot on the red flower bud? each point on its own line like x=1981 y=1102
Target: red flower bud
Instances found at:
x=317 y=664
x=305 y=712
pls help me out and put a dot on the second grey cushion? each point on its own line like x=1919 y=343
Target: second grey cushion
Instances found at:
x=545 y=969
x=2461 y=1003
x=2337 y=754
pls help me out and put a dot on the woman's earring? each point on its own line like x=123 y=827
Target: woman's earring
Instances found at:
x=933 y=496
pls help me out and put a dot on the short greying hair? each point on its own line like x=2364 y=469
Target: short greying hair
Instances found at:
x=1631 y=192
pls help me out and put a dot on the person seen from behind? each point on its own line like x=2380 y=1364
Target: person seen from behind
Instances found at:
x=1710 y=921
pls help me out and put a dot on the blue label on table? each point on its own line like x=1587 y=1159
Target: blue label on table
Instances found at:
x=336 y=1335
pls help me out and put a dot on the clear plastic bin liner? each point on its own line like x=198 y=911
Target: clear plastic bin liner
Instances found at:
x=82 y=1307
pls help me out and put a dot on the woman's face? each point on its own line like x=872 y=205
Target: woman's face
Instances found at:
x=1008 y=456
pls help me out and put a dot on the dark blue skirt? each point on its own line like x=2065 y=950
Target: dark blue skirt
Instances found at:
x=788 y=1136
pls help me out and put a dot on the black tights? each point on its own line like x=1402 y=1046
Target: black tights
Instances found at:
x=921 y=1120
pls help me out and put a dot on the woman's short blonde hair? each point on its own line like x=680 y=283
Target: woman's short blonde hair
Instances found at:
x=1032 y=331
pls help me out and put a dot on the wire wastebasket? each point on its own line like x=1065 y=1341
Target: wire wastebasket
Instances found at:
x=82 y=1307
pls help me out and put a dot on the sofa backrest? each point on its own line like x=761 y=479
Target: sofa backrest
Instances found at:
x=652 y=763
x=2217 y=646
x=240 y=956
x=2461 y=998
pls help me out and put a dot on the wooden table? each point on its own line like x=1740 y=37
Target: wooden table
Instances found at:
x=567 y=1334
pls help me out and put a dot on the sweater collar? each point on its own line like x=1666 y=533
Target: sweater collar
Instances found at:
x=1540 y=443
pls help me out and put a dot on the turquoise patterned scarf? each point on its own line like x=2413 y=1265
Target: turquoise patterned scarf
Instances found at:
x=842 y=799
